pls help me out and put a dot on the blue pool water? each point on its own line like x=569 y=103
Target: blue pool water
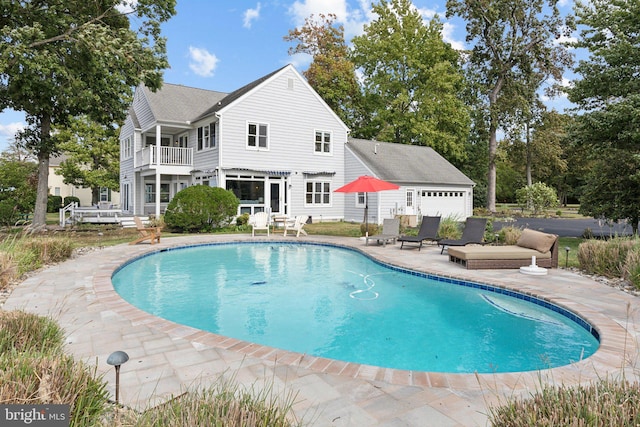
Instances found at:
x=340 y=304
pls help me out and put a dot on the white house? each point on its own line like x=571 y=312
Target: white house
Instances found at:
x=274 y=142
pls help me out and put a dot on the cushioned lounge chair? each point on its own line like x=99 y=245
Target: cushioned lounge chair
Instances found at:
x=473 y=233
x=531 y=243
x=428 y=231
x=390 y=232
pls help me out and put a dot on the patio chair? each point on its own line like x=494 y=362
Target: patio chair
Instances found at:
x=146 y=233
x=428 y=231
x=297 y=225
x=390 y=232
x=259 y=221
x=473 y=233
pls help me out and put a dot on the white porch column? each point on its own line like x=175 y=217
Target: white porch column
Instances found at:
x=158 y=142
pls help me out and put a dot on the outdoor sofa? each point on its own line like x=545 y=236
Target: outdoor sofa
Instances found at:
x=531 y=243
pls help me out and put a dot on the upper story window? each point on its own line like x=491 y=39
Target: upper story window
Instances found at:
x=127 y=147
x=323 y=142
x=207 y=136
x=257 y=135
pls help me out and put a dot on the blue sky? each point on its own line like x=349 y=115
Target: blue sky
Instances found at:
x=225 y=44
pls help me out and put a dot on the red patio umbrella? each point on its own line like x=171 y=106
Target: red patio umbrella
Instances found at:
x=366 y=184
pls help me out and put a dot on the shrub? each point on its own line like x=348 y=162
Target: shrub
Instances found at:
x=201 y=209
x=450 y=228
x=70 y=199
x=242 y=220
x=372 y=229
x=631 y=268
x=54 y=203
x=537 y=197
x=509 y=235
x=605 y=257
x=604 y=403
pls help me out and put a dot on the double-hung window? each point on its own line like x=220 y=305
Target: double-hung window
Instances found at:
x=206 y=136
x=127 y=148
x=322 y=142
x=318 y=193
x=257 y=136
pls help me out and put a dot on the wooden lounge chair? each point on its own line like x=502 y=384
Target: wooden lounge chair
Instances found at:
x=390 y=232
x=259 y=221
x=428 y=231
x=297 y=225
x=473 y=233
x=146 y=233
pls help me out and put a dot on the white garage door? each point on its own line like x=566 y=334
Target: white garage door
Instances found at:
x=443 y=203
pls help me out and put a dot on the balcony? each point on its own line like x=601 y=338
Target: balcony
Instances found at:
x=169 y=157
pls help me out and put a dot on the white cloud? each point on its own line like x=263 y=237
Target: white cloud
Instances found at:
x=8 y=131
x=448 y=30
x=300 y=60
x=127 y=6
x=251 y=15
x=202 y=62
x=303 y=9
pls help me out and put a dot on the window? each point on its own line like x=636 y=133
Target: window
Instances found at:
x=409 y=198
x=127 y=148
x=247 y=191
x=323 y=142
x=203 y=137
x=105 y=194
x=165 y=141
x=257 y=136
x=318 y=193
x=213 y=139
x=361 y=200
x=150 y=193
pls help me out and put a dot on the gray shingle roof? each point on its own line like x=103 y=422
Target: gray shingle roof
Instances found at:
x=407 y=164
x=178 y=103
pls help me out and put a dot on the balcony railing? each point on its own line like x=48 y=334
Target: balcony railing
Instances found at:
x=169 y=156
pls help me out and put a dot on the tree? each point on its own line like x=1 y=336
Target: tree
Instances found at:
x=608 y=94
x=93 y=154
x=331 y=73
x=514 y=45
x=64 y=59
x=17 y=189
x=538 y=197
x=412 y=81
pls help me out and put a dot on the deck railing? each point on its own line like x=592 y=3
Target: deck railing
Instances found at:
x=169 y=156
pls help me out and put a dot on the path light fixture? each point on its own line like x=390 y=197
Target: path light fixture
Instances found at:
x=116 y=359
x=566 y=258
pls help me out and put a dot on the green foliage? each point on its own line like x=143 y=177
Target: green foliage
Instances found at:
x=631 y=268
x=92 y=155
x=450 y=228
x=538 y=197
x=514 y=51
x=18 y=181
x=371 y=229
x=243 y=219
x=201 y=208
x=54 y=203
x=64 y=59
x=71 y=199
x=25 y=332
x=412 y=81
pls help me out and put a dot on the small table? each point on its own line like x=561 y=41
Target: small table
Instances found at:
x=278 y=222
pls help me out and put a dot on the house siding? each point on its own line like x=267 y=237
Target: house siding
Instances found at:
x=292 y=115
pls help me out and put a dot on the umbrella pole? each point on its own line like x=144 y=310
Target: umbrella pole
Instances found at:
x=366 y=215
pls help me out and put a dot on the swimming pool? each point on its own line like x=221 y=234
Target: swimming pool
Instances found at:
x=337 y=303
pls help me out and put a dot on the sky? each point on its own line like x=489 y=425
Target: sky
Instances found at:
x=224 y=44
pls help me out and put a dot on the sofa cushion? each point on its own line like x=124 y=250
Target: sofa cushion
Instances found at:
x=541 y=242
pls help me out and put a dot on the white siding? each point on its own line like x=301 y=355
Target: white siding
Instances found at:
x=293 y=115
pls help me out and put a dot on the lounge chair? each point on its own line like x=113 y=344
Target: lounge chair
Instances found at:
x=390 y=232
x=531 y=243
x=473 y=233
x=428 y=231
x=146 y=233
x=297 y=225
x=259 y=221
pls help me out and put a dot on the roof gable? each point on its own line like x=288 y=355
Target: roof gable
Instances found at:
x=406 y=164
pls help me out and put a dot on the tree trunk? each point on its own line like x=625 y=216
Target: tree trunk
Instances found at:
x=493 y=144
x=40 y=210
x=528 y=150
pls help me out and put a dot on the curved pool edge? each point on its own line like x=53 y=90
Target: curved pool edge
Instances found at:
x=608 y=358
